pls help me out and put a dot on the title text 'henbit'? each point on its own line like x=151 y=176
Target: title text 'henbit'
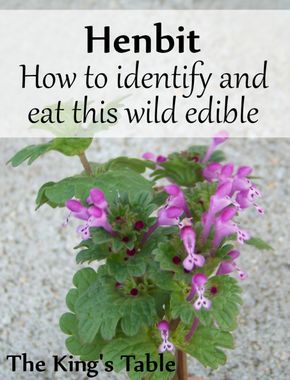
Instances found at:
x=161 y=43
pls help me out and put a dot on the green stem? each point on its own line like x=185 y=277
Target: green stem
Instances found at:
x=85 y=163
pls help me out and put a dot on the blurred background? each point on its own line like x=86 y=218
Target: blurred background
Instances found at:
x=37 y=260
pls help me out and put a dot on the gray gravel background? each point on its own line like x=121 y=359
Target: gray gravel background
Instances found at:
x=37 y=260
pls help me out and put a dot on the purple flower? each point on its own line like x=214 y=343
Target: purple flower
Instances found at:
x=198 y=287
x=77 y=209
x=163 y=327
x=97 y=197
x=242 y=188
x=154 y=158
x=94 y=215
x=218 y=202
x=175 y=206
x=230 y=265
x=187 y=235
x=247 y=198
x=169 y=216
x=212 y=171
x=218 y=139
x=224 y=227
x=176 y=197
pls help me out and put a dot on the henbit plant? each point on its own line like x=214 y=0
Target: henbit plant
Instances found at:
x=165 y=253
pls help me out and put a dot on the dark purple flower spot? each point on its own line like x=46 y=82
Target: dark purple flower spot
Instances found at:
x=176 y=260
x=139 y=225
x=214 y=290
x=161 y=158
x=118 y=219
x=134 y=292
x=195 y=159
x=125 y=239
x=118 y=285
x=131 y=252
x=186 y=271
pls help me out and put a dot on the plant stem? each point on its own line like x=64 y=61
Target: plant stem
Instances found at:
x=181 y=362
x=192 y=329
x=85 y=163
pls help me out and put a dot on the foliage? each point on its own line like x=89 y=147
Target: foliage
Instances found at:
x=140 y=276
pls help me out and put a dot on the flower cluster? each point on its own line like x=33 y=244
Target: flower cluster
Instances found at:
x=95 y=214
x=234 y=192
x=166 y=252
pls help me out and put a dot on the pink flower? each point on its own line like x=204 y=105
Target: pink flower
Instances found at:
x=187 y=235
x=218 y=202
x=77 y=209
x=218 y=139
x=176 y=197
x=245 y=192
x=224 y=227
x=163 y=327
x=94 y=215
x=169 y=216
x=153 y=157
x=97 y=197
x=198 y=287
x=230 y=265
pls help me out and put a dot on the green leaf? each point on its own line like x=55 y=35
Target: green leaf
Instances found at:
x=217 y=156
x=137 y=312
x=84 y=278
x=101 y=306
x=258 y=243
x=71 y=146
x=165 y=253
x=71 y=298
x=69 y=322
x=182 y=173
x=181 y=308
x=205 y=346
x=91 y=251
x=30 y=153
x=66 y=146
x=139 y=346
x=93 y=307
x=121 y=269
x=86 y=352
x=225 y=303
x=135 y=164
x=164 y=280
x=111 y=182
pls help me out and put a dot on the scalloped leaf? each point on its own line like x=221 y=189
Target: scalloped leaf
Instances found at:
x=205 y=346
x=182 y=173
x=111 y=182
x=92 y=251
x=139 y=346
x=225 y=303
x=121 y=270
x=66 y=146
x=102 y=306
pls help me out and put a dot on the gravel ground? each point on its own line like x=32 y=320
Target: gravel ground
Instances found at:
x=37 y=261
